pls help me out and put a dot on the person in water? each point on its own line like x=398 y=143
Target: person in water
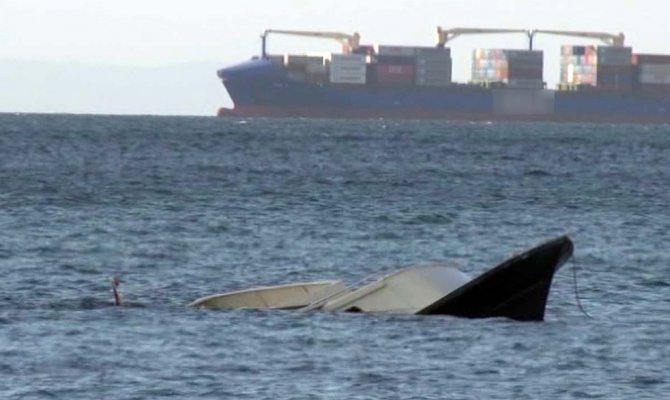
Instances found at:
x=115 y=288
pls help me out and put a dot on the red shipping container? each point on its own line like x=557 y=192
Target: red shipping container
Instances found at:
x=397 y=70
x=394 y=74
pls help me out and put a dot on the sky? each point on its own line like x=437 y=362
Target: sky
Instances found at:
x=161 y=56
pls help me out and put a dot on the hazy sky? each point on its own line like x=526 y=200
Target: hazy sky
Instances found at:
x=174 y=47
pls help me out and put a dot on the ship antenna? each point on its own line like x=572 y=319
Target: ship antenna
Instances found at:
x=576 y=288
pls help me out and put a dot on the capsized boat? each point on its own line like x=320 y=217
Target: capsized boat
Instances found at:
x=517 y=288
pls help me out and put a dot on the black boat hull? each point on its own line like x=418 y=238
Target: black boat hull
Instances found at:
x=517 y=288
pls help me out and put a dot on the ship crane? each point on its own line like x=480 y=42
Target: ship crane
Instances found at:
x=609 y=39
x=349 y=41
x=444 y=36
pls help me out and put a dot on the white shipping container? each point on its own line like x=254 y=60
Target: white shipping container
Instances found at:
x=358 y=80
x=348 y=67
x=485 y=73
x=338 y=75
x=338 y=58
x=348 y=64
x=580 y=68
x=341 y=76
x=296 y=59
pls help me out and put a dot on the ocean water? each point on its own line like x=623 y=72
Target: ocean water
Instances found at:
x=180 y=208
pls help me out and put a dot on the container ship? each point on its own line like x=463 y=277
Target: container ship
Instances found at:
x=598 y=83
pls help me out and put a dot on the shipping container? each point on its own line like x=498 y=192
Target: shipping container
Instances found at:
x=433 y=66
x=615 y=76
x=578 y=67
x=348 y=68
x=524 y=73
x=503 y=65
x=428 y=52
x=294 y=59
x=524 y=57
x=348 y=79
x=651 y=59
x=277 y=59
x=431 y=76
x=395 y=60
x=654 y=73
x=394 y=75
x=610 y=55
x=615 y=69
x=398 y=51
x=316 y=68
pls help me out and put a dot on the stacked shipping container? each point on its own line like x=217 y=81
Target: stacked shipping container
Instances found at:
x=615 y=68
x=515 y=68
x=400 y=66
x=578 y=65
x=525 y=68
x=605 y=67
x=348 y=69
x=304 y=68
x=433 y=66
x=488 y=65
x=653 y=73
x=395 y=66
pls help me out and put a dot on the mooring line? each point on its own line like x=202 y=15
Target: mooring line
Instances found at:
x=576 y=288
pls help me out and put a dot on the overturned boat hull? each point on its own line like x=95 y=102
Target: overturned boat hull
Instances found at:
x=518 y=289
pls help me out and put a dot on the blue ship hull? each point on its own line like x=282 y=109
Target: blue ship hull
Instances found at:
x=260 y=88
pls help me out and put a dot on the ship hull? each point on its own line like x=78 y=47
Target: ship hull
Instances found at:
x=260 y=88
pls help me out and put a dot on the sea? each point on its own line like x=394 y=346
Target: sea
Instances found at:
x=183 y=207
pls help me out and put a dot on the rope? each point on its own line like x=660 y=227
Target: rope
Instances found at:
x=576 y=288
